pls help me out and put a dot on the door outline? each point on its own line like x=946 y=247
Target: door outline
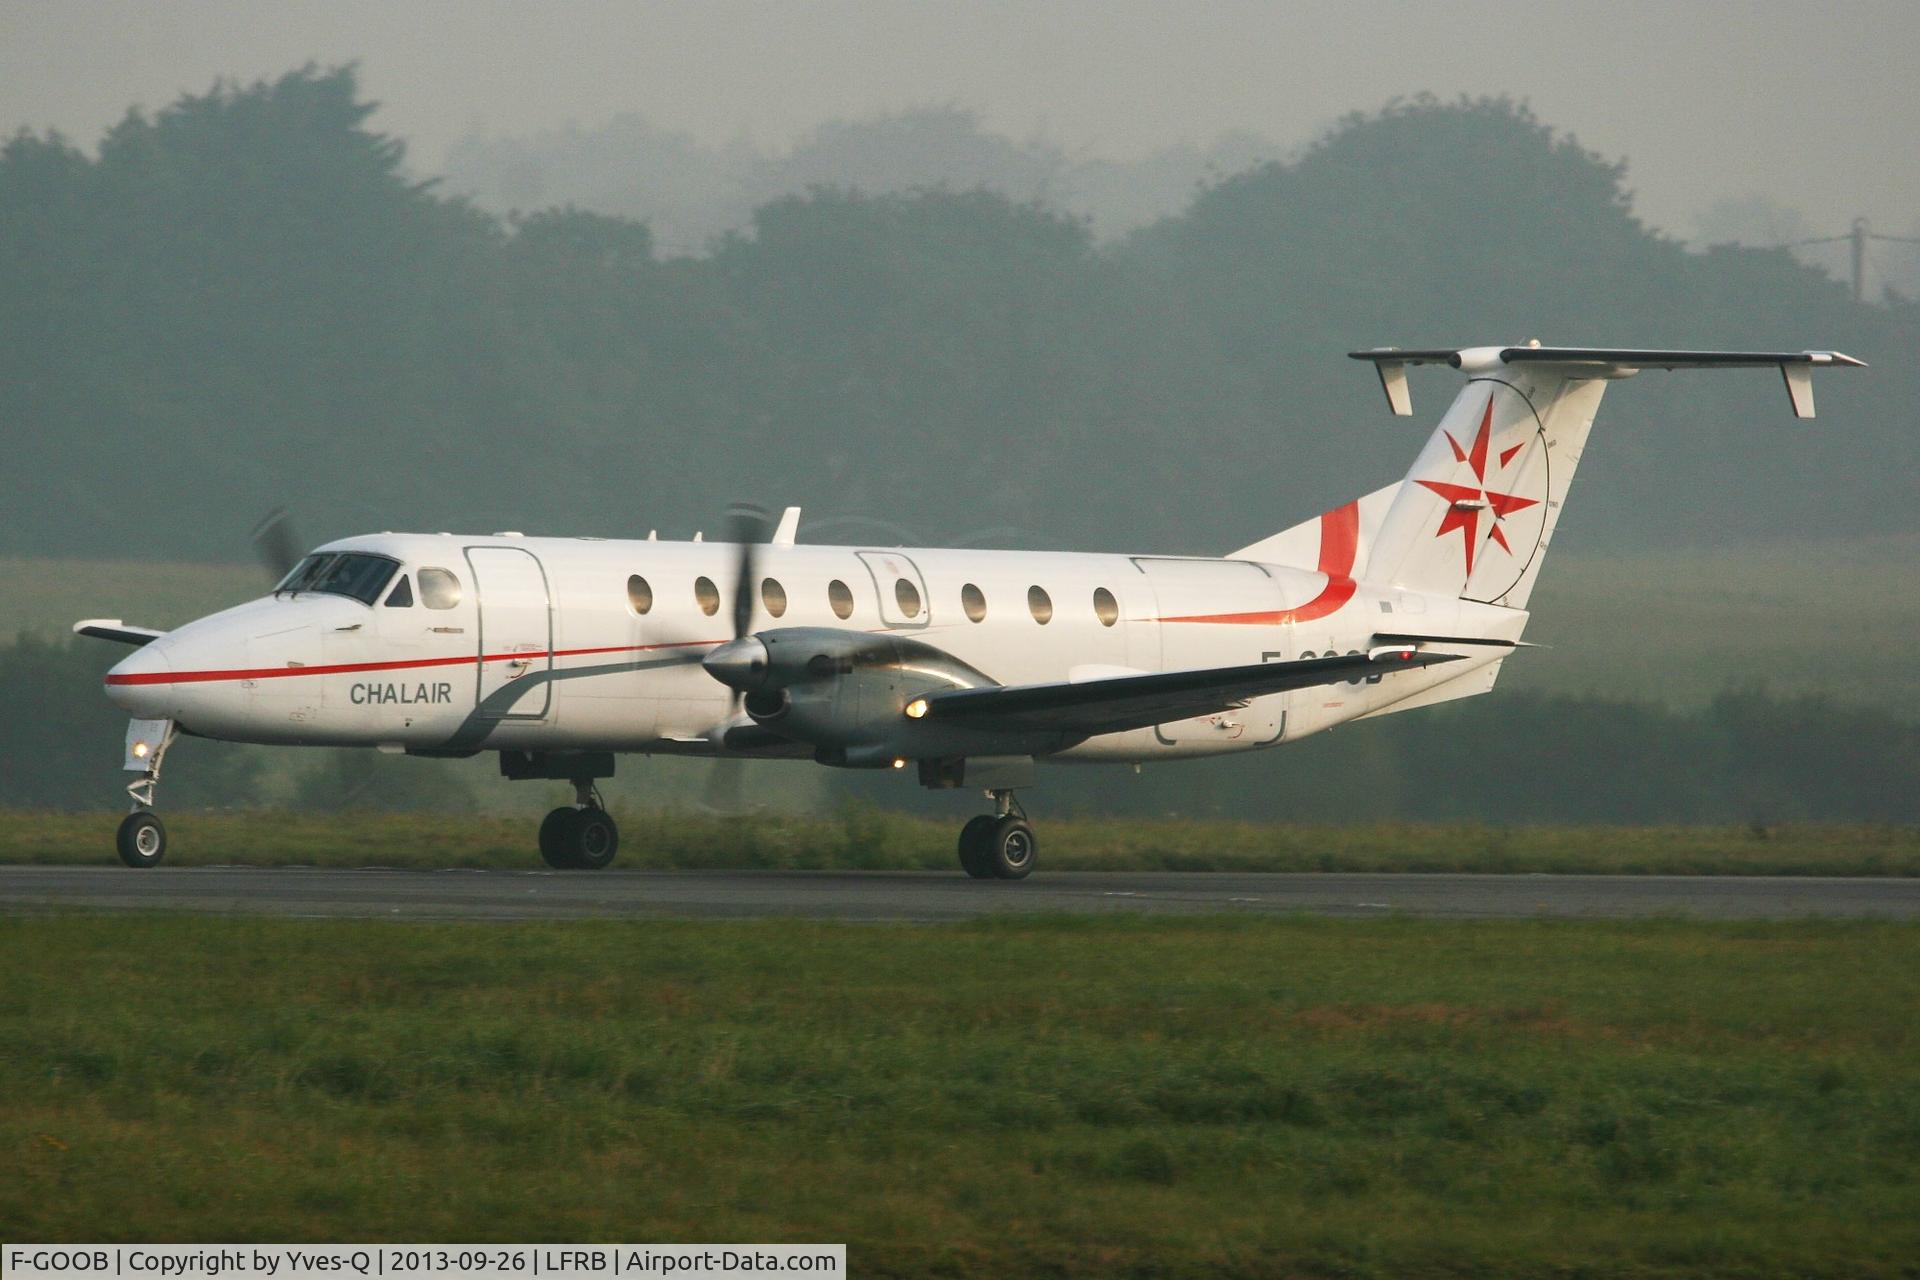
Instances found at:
x=542 y=669
x=890 y=614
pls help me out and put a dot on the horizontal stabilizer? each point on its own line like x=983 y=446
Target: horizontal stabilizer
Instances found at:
x=1392 y=638
x=1796 y=367
x=117 y=631
x=1119 y=703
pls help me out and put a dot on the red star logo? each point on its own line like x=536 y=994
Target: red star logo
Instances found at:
x=1466 y=502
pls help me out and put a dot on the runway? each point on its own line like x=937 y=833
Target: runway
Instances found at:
x=930 y=895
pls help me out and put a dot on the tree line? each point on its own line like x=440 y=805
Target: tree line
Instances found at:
x=243 y=299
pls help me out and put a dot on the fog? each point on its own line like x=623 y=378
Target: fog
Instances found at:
x=1711 y=104
x=1059 y=276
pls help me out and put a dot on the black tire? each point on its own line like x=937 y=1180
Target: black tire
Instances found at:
x=142 y=839
x=973 y=847
x=556 y=839
x=595 y=839
x=1011 y=847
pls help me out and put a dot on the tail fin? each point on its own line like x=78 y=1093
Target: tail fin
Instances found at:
x=1335 y=540
x=1475 y=514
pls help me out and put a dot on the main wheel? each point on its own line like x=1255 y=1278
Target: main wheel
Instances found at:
x=1010 y=848
x=973 y=847
x=556 y=838
x=142 y=839
x=595 y=839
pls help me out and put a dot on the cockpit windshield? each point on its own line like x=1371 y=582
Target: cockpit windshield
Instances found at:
x=341 y=573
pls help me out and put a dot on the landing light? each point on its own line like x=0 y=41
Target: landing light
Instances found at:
x=916 y=709
x=140 y=750
x=899 y=764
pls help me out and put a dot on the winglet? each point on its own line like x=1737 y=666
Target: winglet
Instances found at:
x=1393 y=381
x=1391 y=364
x=788 y=528
x=1799 y=380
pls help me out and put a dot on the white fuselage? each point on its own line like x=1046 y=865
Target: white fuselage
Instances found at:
x=545 y=649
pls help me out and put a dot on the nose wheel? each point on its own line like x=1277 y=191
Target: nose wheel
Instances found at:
x=999 y=846
x=142 y=839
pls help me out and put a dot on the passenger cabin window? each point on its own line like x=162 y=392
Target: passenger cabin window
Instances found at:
x=439 y=589
x=774 y=596
x=341 y=573
x=401 y=597
x=908 y=596
x=974 y=601
x=639 y=594
x=1040 y=605
x=1105 y=607
x=708 y=595
x=840 y=596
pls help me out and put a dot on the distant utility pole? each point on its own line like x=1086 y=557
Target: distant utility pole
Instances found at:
x=1859 y=237
x=1857 y=240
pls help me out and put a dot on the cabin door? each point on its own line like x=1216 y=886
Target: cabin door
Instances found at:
x=516 y=634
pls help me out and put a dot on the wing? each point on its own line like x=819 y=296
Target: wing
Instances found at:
x=1118 y=703
x=117 y=631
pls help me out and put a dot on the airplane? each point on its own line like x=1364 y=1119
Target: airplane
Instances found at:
x=969 y=667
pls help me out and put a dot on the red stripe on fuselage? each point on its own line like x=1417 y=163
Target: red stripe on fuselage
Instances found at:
x=409 y=664
x=1339 y=545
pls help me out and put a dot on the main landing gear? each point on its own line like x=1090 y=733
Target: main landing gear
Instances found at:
x=142 y=839
x=576 y=837
x=580 y=836
x=999 y=845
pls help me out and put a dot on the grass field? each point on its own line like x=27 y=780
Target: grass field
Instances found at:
x=1675 y=627
x=870 y=839
x=1112 y=1097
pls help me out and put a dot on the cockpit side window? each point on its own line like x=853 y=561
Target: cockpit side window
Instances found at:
x=341 y=573
x=439 y=589
x=401 y=597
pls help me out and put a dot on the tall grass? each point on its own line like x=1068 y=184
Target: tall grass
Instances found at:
x=866 y=838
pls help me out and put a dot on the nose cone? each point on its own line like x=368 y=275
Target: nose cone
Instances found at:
x=739 y=664
x=141 y=683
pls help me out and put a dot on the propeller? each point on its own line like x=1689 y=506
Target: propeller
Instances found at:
x=741 y=659
x=275 y=542
x=747 y=529
x=725 y=791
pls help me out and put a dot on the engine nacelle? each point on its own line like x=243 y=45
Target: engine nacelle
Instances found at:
x=847 y=695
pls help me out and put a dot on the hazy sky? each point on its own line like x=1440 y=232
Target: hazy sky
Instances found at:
x=1813 y=105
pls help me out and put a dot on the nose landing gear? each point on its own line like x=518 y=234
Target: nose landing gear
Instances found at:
x=142 y=839
x=999 y=845
x=581 y=836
